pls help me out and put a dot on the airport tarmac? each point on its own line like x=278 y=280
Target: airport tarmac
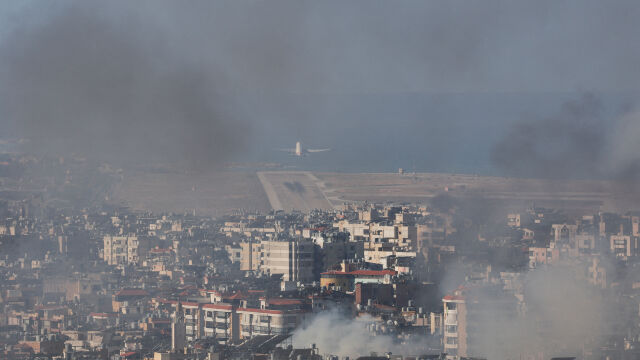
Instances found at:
x=219 y=193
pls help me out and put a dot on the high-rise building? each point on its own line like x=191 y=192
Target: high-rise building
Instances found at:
x=293 y=259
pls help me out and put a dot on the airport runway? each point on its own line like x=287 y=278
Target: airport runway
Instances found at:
x=294 y=190
x=219 y=193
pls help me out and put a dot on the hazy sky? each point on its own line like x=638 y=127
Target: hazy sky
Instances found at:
x=431 y=84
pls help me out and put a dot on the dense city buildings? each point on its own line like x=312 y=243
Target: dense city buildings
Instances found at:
x=99 y=280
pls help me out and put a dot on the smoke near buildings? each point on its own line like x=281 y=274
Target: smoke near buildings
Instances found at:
x=544 y=89
x=335 y=333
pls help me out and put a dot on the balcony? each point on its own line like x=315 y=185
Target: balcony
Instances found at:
x=451 y=320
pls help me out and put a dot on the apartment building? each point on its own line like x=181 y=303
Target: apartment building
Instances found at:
x=230 y=323
x=623 y=246
x=293 y=259
x=221 y=321
x=124 y=250
x=468 y=313
x=374 y=234
x=193 y=320
x=250 y=256
x=454 y=319
x=268 y=321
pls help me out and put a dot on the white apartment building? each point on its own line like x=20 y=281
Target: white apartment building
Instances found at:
x=122 y=250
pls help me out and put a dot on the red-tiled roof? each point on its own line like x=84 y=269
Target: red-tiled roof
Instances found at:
x=236 y=296
x=453 y=297
x=127 y=354
x=282 y=301
x=269 y=311
x=262 y=311
x=189 y=304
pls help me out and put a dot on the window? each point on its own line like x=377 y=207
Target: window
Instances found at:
x=451 y=306
x=452 y=328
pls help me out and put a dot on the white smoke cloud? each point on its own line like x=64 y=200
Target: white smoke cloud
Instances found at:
x=561 y=316
x=335 y=333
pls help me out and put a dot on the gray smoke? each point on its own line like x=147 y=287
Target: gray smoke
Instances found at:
x=580 y=141
x=561 y=315
x=334 y=333
x=569 y=144
x=202 y=81
x=112 y=88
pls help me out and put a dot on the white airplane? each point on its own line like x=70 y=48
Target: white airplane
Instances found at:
x=300 y=151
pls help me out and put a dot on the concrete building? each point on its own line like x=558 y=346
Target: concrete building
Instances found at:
x=564 y=235
x=455 y=326
x=193 y=321
x=250 y=256
x=178 y=336
x=268 y=321
x=623 y=246
x=468 y=313
x=124 y=250
x=221 y=321
x=293 y=259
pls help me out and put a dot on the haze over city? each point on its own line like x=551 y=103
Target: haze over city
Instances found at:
x=319 y=180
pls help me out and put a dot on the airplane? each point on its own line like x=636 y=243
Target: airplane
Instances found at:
x=300 y=151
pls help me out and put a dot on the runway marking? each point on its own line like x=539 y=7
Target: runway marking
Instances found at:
x=270 y=191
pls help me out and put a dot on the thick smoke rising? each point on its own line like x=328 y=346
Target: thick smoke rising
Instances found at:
x=579 y=141
x=560 y=313
x=570 y=143
x=336 y=334
x=201 y=81
x=112 y=89
x=555 y=313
